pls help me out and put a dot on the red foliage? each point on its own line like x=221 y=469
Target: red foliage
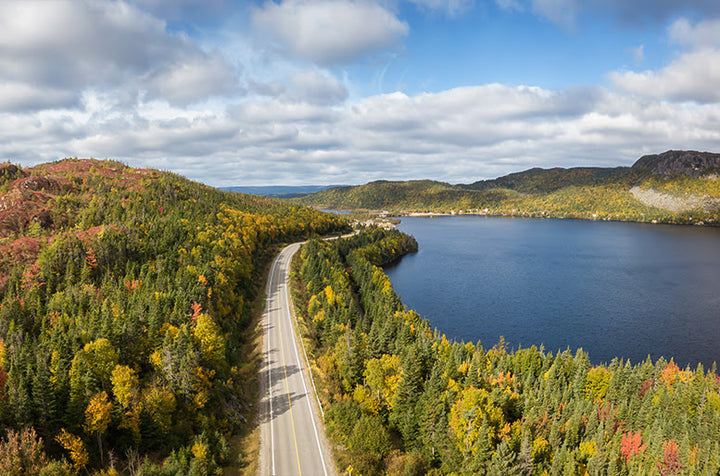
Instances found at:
x=670 y=463
x=133 y=285
x=30 y=277
x=631 y=445
x=646 y=385
x=196 y=309
x=3 y=379
x=607 y=412
x=88 y=234
x=90 y=258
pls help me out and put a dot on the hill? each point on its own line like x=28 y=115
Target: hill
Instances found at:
x=125 y=305
x=279 y=191
x=672 y=187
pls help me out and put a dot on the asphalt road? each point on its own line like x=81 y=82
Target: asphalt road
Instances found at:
x=292 y=435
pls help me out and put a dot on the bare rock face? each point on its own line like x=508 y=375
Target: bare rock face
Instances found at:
x=679 y=162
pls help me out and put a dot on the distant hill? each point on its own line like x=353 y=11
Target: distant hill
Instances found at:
x=672 y=187
x=279 y=191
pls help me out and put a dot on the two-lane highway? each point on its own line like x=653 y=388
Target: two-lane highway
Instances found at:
x=292 y=436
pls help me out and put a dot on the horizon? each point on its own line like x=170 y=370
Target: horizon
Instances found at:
x=352 y=91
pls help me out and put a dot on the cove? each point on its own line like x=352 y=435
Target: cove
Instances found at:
x=614 y=289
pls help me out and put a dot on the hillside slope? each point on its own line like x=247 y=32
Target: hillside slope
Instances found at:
x=673 y=187
x=124 y=300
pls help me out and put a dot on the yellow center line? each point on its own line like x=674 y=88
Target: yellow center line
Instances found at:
x=287 y=388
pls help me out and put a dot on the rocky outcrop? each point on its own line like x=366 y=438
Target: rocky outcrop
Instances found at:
x=679 y=162
x=653 y=198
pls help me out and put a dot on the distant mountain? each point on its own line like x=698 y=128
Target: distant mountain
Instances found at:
x=672 y=187
x=679 y=162
x=279 y=191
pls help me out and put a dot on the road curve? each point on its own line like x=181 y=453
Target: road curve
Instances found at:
x=292 y=437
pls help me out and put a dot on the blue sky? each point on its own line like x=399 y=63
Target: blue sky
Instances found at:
x=347 y=91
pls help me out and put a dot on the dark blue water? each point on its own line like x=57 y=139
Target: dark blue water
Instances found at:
x=615 y=289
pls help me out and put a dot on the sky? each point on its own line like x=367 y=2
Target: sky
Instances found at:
x=293 y=92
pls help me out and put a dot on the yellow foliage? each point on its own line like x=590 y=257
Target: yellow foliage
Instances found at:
x=382 y=376
x=156 y=359
x=202 y=385
x=596 y=383
x=472 y=411
x=97 y=413
x=463 y=368
x=540 y=449
x=212 y=343
x=159 y=403
x=125 y=385
x=200 y=451
x=330 y=295
x=74 y=445
x=368 y=402
x=587 y=450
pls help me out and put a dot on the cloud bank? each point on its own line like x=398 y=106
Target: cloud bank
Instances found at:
x=113 y=79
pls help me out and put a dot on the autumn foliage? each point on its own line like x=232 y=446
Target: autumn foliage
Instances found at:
x=124 y=296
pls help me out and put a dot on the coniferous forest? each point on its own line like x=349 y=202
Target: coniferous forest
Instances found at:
x=401 y=399
x=125 y=299
x=125 y=306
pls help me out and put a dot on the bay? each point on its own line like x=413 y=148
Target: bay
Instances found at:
x=614 y=289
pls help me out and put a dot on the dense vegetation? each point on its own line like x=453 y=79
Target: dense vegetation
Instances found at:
x=125 y=297
x=586 y=193
x=401 y=399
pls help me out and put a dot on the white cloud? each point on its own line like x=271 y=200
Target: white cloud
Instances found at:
x=70 y=46
x=16 y=95
x=693 y=76
x=329 y=32
x=704 y=34
x=192 y=78
x=458 y=135
x=315 y=88
x=107 y=79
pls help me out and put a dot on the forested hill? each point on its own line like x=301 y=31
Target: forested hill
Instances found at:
x=124 y=298
x=672 y=187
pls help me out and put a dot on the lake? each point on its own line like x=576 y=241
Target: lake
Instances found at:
x=615 y=289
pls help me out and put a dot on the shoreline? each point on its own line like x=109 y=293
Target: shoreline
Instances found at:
x=382 y=217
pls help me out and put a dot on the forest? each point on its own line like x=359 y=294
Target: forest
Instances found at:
x=591 y=193
x=125 y=299
x=401 y=399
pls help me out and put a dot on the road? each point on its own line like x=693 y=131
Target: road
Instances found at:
x=292 y=437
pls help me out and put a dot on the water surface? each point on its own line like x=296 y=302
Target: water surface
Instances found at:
x=615 y=289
